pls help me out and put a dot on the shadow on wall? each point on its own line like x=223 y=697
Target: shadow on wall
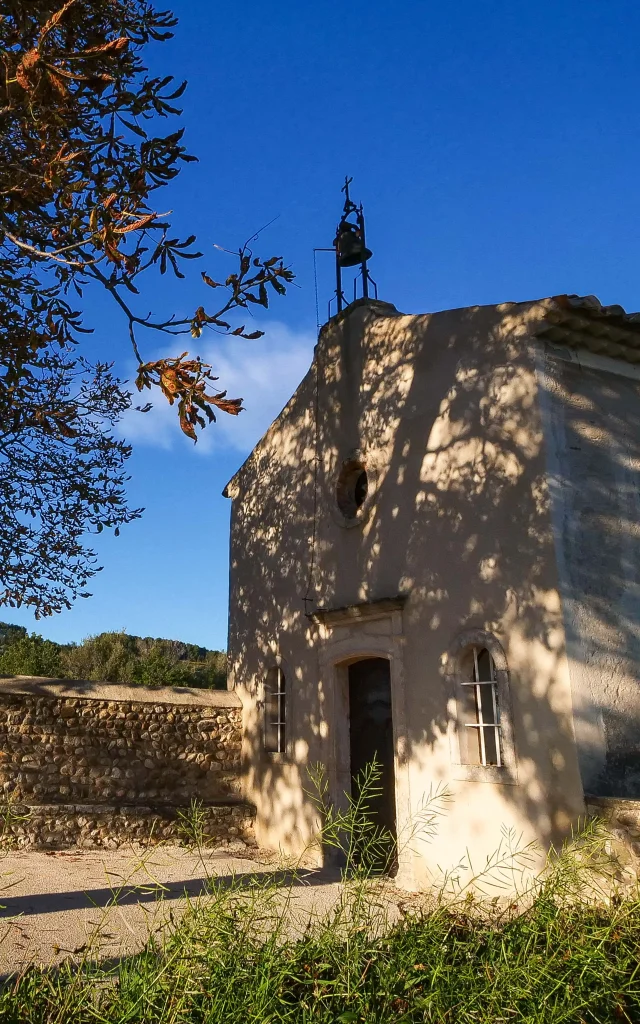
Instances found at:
x=444 y=408
x=594 y=441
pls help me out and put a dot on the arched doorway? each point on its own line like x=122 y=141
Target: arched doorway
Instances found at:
x=371 y=736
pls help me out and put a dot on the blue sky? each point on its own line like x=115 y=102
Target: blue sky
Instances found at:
x=496 y=149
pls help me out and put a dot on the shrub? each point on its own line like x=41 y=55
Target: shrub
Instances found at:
x=30 y=655
x=109 y=657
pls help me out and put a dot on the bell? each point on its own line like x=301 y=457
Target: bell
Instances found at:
x=351 y=249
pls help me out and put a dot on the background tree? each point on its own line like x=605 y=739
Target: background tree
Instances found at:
x=80 y=169
x=30 y=655
x=114 y=657
x=9 y=633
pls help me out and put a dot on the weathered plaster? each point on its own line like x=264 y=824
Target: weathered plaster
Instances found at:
x=591 y=412
x=445 y=409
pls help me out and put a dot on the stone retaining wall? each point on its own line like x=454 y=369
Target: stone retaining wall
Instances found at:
x=55 y=826
x=103 y=764
x=622 y=817
x=619 y=813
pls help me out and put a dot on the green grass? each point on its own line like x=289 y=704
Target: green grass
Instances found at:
x=551 y=965
x=565 y=950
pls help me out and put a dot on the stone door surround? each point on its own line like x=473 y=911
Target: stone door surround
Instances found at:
x=346 y=635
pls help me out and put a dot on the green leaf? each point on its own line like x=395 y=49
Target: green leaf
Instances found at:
x=179 y=91
x=134 y=128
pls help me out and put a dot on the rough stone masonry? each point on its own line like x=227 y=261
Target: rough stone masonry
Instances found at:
x=101 y=764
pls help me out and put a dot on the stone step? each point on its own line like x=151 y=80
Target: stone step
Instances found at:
x=107 y=826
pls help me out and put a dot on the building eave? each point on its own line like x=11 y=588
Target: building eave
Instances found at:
x=582 y=322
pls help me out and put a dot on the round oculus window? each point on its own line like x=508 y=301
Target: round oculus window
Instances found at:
x=352 y=488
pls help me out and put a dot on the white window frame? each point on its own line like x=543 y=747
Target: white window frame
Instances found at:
x=457 y=671
x=280 y=723
x=480 y=724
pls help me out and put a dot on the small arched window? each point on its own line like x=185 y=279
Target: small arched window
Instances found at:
x=480 y=720
x=481 y=710
x=275 y=711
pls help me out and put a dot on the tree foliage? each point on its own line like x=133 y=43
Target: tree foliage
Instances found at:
x=82 y=160
x=9 y=633
x=61 y=474
x=115 y=657
x=30 y=655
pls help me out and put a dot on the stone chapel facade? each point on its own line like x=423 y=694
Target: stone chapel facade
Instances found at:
x=435 y=554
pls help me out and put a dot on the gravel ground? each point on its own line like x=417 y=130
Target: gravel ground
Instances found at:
x=56 y=904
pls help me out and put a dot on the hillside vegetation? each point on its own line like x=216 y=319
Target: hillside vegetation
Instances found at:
x=114 y=657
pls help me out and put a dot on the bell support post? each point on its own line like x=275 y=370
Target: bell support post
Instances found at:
x=350 y=246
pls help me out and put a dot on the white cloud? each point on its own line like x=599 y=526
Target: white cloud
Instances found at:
x=264 y=373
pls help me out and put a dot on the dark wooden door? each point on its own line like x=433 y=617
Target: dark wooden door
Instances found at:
x=371 y=734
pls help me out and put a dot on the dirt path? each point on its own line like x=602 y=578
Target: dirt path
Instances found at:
x=55 y=904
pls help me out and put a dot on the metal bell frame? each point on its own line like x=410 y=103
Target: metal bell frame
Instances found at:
x=351 y=249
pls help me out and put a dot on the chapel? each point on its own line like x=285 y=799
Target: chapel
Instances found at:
x=435 y=560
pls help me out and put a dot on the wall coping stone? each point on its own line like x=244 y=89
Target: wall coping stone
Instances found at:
x=613 y=803
x=43 y=686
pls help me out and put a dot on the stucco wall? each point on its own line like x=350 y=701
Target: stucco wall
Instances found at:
x=444 y=409
x=592 y=423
